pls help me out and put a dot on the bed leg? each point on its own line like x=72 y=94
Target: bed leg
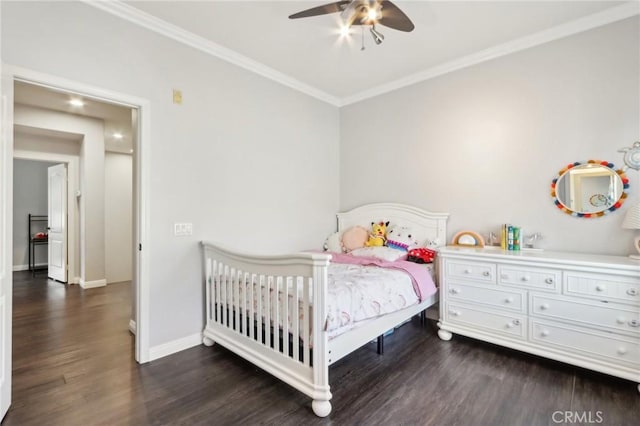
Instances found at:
x=207 y=341
x=381 y=344
x=321 y=408
x=423 y=317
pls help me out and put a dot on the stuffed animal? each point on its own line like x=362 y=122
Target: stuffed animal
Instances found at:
x=421 y=255
x=378 y=236
x=401 y=238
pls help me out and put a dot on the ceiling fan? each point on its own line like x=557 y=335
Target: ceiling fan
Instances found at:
x=365 y=13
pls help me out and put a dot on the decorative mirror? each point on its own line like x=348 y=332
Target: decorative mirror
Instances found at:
x=589 y=189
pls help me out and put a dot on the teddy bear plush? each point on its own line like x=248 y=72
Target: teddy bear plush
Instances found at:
x=401 y=238
x=378 y=235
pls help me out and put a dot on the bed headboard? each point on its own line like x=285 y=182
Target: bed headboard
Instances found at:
x=429 y=227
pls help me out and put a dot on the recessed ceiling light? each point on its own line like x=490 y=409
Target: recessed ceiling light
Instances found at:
x=130 y=151
x=117 y=135
x=76 y=102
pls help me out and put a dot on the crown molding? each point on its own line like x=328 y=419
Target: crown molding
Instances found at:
x=150 y=22
x=595 y=20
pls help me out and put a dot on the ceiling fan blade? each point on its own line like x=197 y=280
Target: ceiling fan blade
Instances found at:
x=321 y=10
x=393 y=17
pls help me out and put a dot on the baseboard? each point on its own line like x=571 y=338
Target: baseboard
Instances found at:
x=75 y=280
x=132 y=327
x=17 y=268
x=92 y=284
x=169 y=348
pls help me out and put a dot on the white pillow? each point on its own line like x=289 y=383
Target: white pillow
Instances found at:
x=383 y=253
x=333 y=243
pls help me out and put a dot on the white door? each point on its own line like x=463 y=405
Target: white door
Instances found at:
x=57 y=210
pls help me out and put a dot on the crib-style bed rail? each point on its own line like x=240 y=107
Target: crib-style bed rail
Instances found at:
x=271 y=310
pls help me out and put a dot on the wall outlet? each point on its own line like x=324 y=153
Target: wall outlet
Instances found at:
x=182 y=229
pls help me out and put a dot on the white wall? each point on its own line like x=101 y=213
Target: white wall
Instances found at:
x=118 y=184
x=484 y=143
x=29 y=197
x=249 y=162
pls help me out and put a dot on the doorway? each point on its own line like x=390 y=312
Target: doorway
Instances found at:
x=141 y=261
x=140 y=143
x=30 y=215
x=97 y=136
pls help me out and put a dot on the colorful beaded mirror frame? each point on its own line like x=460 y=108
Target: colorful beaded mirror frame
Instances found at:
x=604 y=202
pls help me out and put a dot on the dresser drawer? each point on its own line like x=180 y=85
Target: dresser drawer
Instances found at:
x=589 y=343
x=602 y=287
x=468 y=270
x=586 y=312
x=513 y=300
x=507 y=324
x=529 y=277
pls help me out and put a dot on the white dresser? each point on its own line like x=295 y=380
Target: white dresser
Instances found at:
x=576 y=308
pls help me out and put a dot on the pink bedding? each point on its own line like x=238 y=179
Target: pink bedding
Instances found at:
x=422 y=282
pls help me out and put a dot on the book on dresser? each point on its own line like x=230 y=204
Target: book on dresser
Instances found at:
x=581 y=309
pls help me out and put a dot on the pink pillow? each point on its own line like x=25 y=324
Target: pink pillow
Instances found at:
x=354 y=238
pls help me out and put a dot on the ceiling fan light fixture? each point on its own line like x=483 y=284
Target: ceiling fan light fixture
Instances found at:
x=349 y=14
x=378 y=37
x=374 y=13
x=364 y=13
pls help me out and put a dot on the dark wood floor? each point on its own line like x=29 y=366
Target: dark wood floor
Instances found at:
x=73 y=365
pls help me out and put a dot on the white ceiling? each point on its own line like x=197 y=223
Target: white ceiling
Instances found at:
x=310 y=55
x=116 y=118
x=310 y=51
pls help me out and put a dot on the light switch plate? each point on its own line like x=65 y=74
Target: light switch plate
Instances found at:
x=182 y=229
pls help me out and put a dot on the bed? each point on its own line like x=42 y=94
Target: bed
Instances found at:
x=273 y=310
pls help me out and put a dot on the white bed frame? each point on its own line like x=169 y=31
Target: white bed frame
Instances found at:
x=288 y=352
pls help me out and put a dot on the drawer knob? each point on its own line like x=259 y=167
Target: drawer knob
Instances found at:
x=508 y=300
x=454 y=291
x=504 y=276
x=632 y=292
x=467 y=271
x=634 y=323
x=601 y=287
x=621 y=320
x=544 y=306
x=486 y=273
x=513 y=323
x=454 y=313
x=622 y=350
x=525 y=279
x=549 y=280
x=544 y=333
